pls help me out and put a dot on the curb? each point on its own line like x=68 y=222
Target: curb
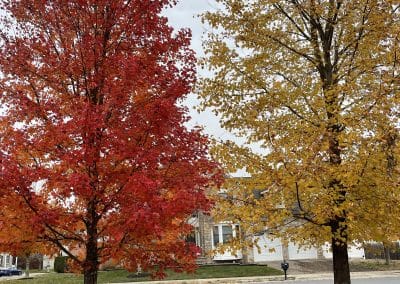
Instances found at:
x=256 y=279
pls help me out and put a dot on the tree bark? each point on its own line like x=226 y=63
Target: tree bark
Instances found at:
x=386 y=249
x=91 y=264
x=341 y=269
x=27 y=264
x=90 y=276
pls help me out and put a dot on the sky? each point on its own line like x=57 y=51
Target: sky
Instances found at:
x=185 y=15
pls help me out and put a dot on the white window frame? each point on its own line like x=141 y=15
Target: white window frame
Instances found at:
x=220 y=233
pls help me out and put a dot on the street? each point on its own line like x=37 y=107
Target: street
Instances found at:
x=379 y=280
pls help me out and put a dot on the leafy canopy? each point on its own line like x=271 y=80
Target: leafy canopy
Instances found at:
x=93 y=140
x=316 y=84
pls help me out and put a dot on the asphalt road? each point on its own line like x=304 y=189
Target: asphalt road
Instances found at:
x=380 y=280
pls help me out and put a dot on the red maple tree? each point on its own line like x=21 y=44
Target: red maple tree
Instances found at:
x=93 y=137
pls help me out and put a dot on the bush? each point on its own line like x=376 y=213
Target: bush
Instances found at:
x=60 y=264
x=376 y=251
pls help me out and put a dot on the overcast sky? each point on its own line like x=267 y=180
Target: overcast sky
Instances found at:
x=185 y=15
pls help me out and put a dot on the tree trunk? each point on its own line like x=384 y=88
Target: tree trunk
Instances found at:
x=341 y=269
x=27 y=264
x=91 y=265
x=90 y=276
x=386 y=249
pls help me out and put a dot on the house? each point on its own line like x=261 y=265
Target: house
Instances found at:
x=8 y=261
x=208 y=235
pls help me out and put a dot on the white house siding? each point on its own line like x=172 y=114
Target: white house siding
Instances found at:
x=6 y=260
x=270 y=250
x=295 y=252
x=48 y=262
x=354 y=251
x=326 y=250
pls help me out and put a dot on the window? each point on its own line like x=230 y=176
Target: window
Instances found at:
x=223 y=233
x=227 y=233
x=237 y=231
x=215 y=235
x=193 y=237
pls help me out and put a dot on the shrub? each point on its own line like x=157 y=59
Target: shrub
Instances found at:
x=60 y=264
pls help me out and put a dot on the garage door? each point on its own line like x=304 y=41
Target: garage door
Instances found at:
x=301 y=253
x=269 y=249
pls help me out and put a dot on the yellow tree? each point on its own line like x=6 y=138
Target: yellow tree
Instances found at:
x=315 y=84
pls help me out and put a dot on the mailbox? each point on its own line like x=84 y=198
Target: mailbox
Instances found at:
x=285 y=267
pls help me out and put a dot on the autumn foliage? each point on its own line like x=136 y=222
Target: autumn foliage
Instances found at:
x=94 y=148
x=313 y=88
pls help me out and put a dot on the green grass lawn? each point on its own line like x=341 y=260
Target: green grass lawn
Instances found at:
x=215 y=271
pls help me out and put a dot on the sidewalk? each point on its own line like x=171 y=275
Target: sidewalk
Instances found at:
x=314 y=276
x=31 y=275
